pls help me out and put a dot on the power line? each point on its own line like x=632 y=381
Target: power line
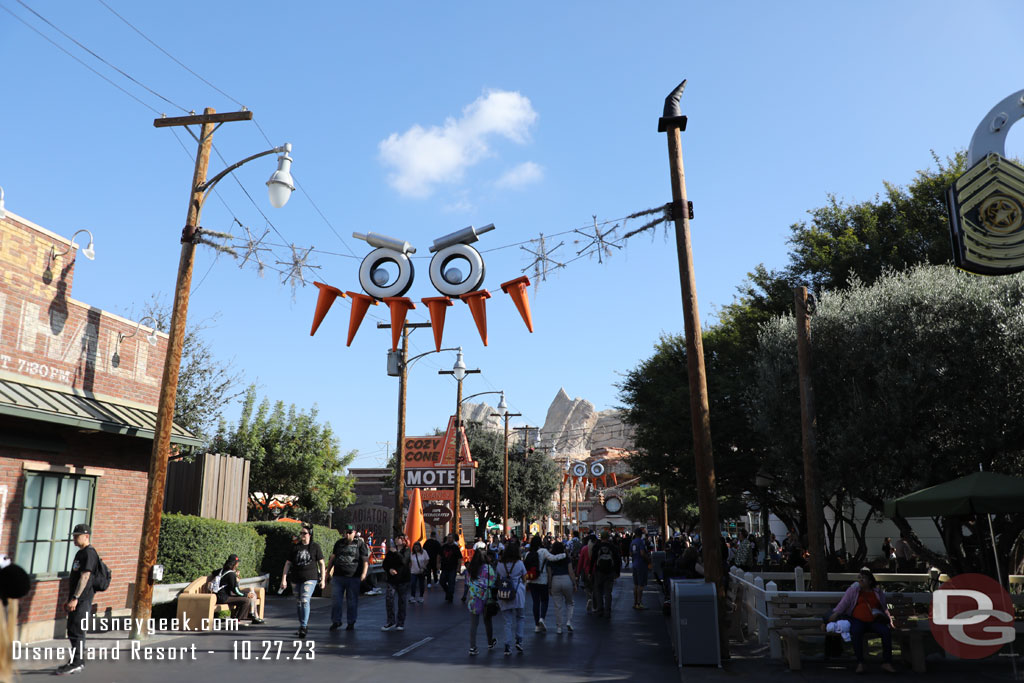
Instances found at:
x=176 y=60
x=120 y=71
x=69 y=54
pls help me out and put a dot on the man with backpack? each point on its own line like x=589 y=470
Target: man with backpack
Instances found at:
x=606 y=563
x=81 y=588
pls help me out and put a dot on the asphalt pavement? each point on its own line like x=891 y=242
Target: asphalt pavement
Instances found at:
x=630 y=646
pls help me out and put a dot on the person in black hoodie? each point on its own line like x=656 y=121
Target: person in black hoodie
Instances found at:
x=433 y=548
x=397 y=567
x=242 y=604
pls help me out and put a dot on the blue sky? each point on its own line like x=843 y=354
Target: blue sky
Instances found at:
x=414 y=121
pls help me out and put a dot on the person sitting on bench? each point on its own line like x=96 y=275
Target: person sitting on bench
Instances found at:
x=242 y=605
x=865 y=606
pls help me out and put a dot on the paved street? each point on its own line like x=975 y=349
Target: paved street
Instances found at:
x=631 y=646
x=434 y=647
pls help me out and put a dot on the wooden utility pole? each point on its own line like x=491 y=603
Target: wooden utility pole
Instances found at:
x=403 y=376
x=808 y=430
x=673 y=123
x=142 y=602
x=457 y=494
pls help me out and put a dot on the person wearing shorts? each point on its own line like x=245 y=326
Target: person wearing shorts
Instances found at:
x=640 y=556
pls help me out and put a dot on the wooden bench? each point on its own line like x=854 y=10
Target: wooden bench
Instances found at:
x=195 y=603
x=797 y=616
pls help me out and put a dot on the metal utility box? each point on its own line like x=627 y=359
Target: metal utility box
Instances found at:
x=695 y=623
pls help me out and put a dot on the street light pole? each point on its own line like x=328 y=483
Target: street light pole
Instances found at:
x=209 y=120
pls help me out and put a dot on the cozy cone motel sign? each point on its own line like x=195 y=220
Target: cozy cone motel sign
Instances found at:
x=430 y=461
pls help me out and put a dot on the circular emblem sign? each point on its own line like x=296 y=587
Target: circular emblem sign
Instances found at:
x=436 y=514
x=972 y=616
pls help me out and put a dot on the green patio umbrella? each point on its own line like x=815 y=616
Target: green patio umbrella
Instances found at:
x=978 y=493
x=981 y=493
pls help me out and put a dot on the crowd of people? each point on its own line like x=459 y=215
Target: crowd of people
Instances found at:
x=499 y=575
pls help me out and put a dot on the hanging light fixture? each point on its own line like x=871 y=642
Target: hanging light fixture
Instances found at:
x=280 y=186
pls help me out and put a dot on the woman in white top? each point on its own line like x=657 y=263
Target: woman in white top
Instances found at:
x=512 y=568
x=537 y=561
x=419 y=563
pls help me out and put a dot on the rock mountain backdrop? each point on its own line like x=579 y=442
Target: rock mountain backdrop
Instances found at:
x=572 y=426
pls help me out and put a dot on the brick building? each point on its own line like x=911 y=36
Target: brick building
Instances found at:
x=78 y=395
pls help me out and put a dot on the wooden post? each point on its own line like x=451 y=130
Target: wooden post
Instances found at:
x=504 y=512
x=142 y=603
x=403 y=376
x=700 y=420
x=808 y=429
x=457 y=493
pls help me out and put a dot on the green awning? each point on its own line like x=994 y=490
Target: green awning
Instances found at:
x=978 y=493
x=57 y=407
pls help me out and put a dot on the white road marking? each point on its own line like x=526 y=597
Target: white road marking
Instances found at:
x=413 y=646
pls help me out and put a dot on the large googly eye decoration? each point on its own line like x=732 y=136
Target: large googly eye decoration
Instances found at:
x=596 y=469
x=457 y=269
x=579 y=469
x=386 y=272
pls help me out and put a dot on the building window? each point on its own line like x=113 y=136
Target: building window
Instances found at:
x=53 y=505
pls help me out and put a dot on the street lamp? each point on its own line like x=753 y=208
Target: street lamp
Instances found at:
x=280 y=188
x=503 y=413
x=458 y=371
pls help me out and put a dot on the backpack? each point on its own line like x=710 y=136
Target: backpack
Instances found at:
x=532 y=566
x=605 y=559
x=504 y=589
x=101 y=579
x=213 y=586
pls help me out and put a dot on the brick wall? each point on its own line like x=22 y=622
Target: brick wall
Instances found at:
x=122 y=463
x=46 y=336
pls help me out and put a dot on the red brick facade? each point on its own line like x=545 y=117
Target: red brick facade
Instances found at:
x=50 y=341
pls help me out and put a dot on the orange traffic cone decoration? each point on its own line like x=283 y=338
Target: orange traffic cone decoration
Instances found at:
x=436 y=305
x=615 y=479
x=400 y=307
x=360 y=304
x=517 y=290
x=415 y=529
x=478 y=307
x=324 y=301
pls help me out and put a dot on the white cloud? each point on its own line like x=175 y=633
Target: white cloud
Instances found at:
x=422 y=158
x=521 y=175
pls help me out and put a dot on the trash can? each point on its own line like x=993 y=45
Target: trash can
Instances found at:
x=695 y=623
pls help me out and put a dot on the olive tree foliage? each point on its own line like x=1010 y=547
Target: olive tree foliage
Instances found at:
x=917 y=381
x=291 y=454
x=205 y=385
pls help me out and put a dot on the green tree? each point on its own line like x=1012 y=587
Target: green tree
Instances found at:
x=487 y=497
x=205 y=384
x=533 y=478
x=917 y=380
x=290 y=454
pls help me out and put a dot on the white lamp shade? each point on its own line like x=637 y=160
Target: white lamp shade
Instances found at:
x=502 y=406
x=89 y=252
x=151 y=338
x=281 y=185
x=459 y=369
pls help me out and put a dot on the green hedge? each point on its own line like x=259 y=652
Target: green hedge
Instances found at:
x=280 y=536
x=191 y=547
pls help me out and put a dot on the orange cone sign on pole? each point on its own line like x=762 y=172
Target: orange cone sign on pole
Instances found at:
x=360 y=304
x=517 y=290
x=436 y=306
x=324 y=301
x=400 y=307
x=478 y=307
x=415 y=529
x=615 y=479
